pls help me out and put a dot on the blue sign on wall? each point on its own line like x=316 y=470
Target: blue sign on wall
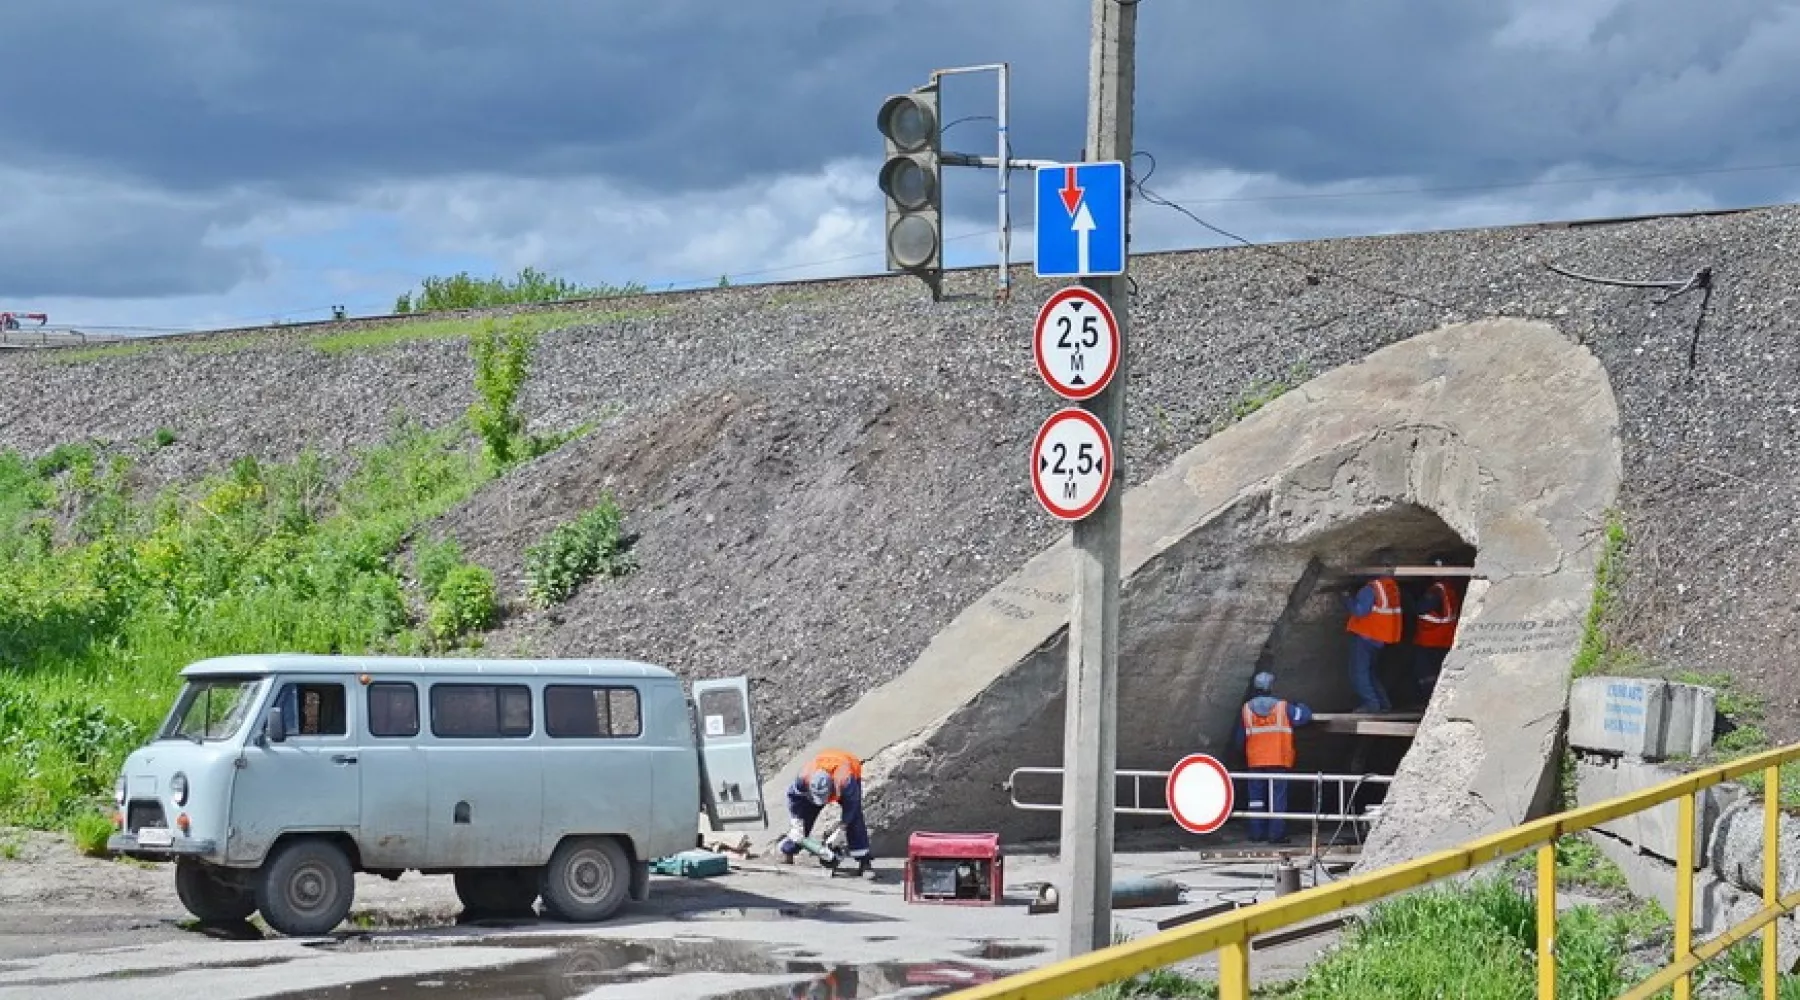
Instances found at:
x=1081 y=219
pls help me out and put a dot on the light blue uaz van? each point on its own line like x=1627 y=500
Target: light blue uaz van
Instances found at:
x=275 y=778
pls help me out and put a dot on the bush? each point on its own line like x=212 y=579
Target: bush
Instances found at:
x=433 y=560
x=462 y=291
x=466 y=602
x=586 y=547
x=95 y=625
x=502 y=361
x=90 y=831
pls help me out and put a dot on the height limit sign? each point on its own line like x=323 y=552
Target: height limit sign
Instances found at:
x=1076 y=343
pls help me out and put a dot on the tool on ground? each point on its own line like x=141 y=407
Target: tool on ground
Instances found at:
x=965 y=869
x=692 y=864
x=1127 y=894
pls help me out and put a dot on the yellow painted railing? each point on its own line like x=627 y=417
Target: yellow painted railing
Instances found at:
x=1230 y=934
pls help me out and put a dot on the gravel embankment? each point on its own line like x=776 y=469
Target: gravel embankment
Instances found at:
x=822 y=475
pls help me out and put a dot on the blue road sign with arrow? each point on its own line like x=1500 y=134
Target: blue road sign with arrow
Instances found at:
x=1081 y=219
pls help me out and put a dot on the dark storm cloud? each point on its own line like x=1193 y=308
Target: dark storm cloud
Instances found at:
x=673 y=94
x=679 y=93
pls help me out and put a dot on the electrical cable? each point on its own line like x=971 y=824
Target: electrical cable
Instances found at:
x=1156 y=199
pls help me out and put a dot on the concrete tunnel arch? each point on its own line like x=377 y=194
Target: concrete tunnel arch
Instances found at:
x=1500 y=434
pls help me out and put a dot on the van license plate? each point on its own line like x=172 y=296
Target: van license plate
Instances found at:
x=155 y=836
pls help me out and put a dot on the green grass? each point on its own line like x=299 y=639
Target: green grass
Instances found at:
x=104 y=595
x=1261 y=393
x=391 y=334
x=1597 y=653
x=1579 y=865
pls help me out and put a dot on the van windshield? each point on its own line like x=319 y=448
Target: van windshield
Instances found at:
x=211 y=709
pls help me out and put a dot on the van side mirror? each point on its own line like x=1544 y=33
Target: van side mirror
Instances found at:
x=274 y=727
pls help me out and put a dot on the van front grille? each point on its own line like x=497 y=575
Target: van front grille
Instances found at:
x=140 y=813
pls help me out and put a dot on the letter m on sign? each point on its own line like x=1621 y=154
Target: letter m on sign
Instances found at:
x=1069 y=490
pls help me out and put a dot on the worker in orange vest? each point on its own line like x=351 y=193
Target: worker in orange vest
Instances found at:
x=1376 y=622
x=832 y=776
x=1438 y=611
x=1265 y=732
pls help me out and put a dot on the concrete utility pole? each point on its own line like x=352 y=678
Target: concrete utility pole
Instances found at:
x=1090 y=726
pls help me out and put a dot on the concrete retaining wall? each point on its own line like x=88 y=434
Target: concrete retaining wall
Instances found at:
x=1500 y=433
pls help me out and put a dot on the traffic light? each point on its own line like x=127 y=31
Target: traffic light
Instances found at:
x=912 y=179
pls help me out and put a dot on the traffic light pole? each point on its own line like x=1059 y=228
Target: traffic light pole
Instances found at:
x=1090 y=737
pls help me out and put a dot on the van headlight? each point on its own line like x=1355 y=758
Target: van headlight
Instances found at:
x=178 y=788
x=119 y=790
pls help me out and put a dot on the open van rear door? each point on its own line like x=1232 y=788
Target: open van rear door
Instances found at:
x=730 y=788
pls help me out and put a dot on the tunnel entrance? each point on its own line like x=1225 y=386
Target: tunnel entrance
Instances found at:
x=1307 y=648
x=1237 y=600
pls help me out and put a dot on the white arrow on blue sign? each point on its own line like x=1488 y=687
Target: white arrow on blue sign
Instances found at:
x=1081 y=219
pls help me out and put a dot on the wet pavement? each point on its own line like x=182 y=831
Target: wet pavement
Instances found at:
x=761 y=931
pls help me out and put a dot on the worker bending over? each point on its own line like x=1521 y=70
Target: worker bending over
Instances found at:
x=1265 y=731
x=833 y=776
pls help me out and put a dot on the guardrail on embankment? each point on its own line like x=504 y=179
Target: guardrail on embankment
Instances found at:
x=1230 y=935
x=53 y=336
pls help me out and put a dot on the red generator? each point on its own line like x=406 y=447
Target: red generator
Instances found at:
x=959 y=869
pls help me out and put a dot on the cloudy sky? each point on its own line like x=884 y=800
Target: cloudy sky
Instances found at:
x=195 y=163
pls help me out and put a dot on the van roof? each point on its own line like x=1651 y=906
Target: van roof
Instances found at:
x=268 y=663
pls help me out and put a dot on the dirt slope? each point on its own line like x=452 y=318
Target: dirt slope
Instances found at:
x=822 y=474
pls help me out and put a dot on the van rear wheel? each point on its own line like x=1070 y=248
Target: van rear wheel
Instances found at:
x=587 y=879
x=212 y=896
x=499 y=892
x=306 y=888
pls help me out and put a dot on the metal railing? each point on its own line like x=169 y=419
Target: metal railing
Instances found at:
x=1347 y=785
x=1230 y=935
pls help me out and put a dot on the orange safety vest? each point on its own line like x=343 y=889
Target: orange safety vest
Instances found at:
x=842 y=765
x=1269 y=739
x=1383 y=622
x=1437 y=628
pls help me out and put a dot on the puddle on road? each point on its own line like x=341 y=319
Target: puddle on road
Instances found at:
x=1000 y=951
x=582 y=965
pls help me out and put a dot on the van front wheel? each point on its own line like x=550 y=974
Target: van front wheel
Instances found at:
x=587 y=879
x=211 y=896
x=306 y=888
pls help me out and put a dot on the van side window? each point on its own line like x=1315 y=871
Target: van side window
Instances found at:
x=592 y=711
x=480 y=711
x=393 y=709
x=314 y=710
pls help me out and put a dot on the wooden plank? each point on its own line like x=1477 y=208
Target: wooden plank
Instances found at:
x=1372 y=727
x=1413 y=571
x=1328 y=717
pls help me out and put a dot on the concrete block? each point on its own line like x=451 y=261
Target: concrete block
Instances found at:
x=1652 y=831
x=1717 y=903
x=1641 y=717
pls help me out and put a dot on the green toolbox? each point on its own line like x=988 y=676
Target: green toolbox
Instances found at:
x=692 y=864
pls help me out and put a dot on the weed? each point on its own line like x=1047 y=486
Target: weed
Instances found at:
x=462 y=291
x=1261 y=393
x=433 y=560
x=95 y=624
x=90 y=830
x=163 y=437
x=465 y=602
x=1596 y=651
x=502 y=360
x=574 y=552
x=408 y=331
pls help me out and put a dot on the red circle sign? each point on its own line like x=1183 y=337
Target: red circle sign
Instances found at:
x=1071 y=463
x=1075 y=343
x=1200 y=793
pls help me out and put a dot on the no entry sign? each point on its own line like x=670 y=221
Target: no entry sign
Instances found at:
x=1071 y=463
x=1200 y=794
x=1076 y=343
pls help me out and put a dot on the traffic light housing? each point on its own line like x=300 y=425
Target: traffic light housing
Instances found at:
x=912 y=177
